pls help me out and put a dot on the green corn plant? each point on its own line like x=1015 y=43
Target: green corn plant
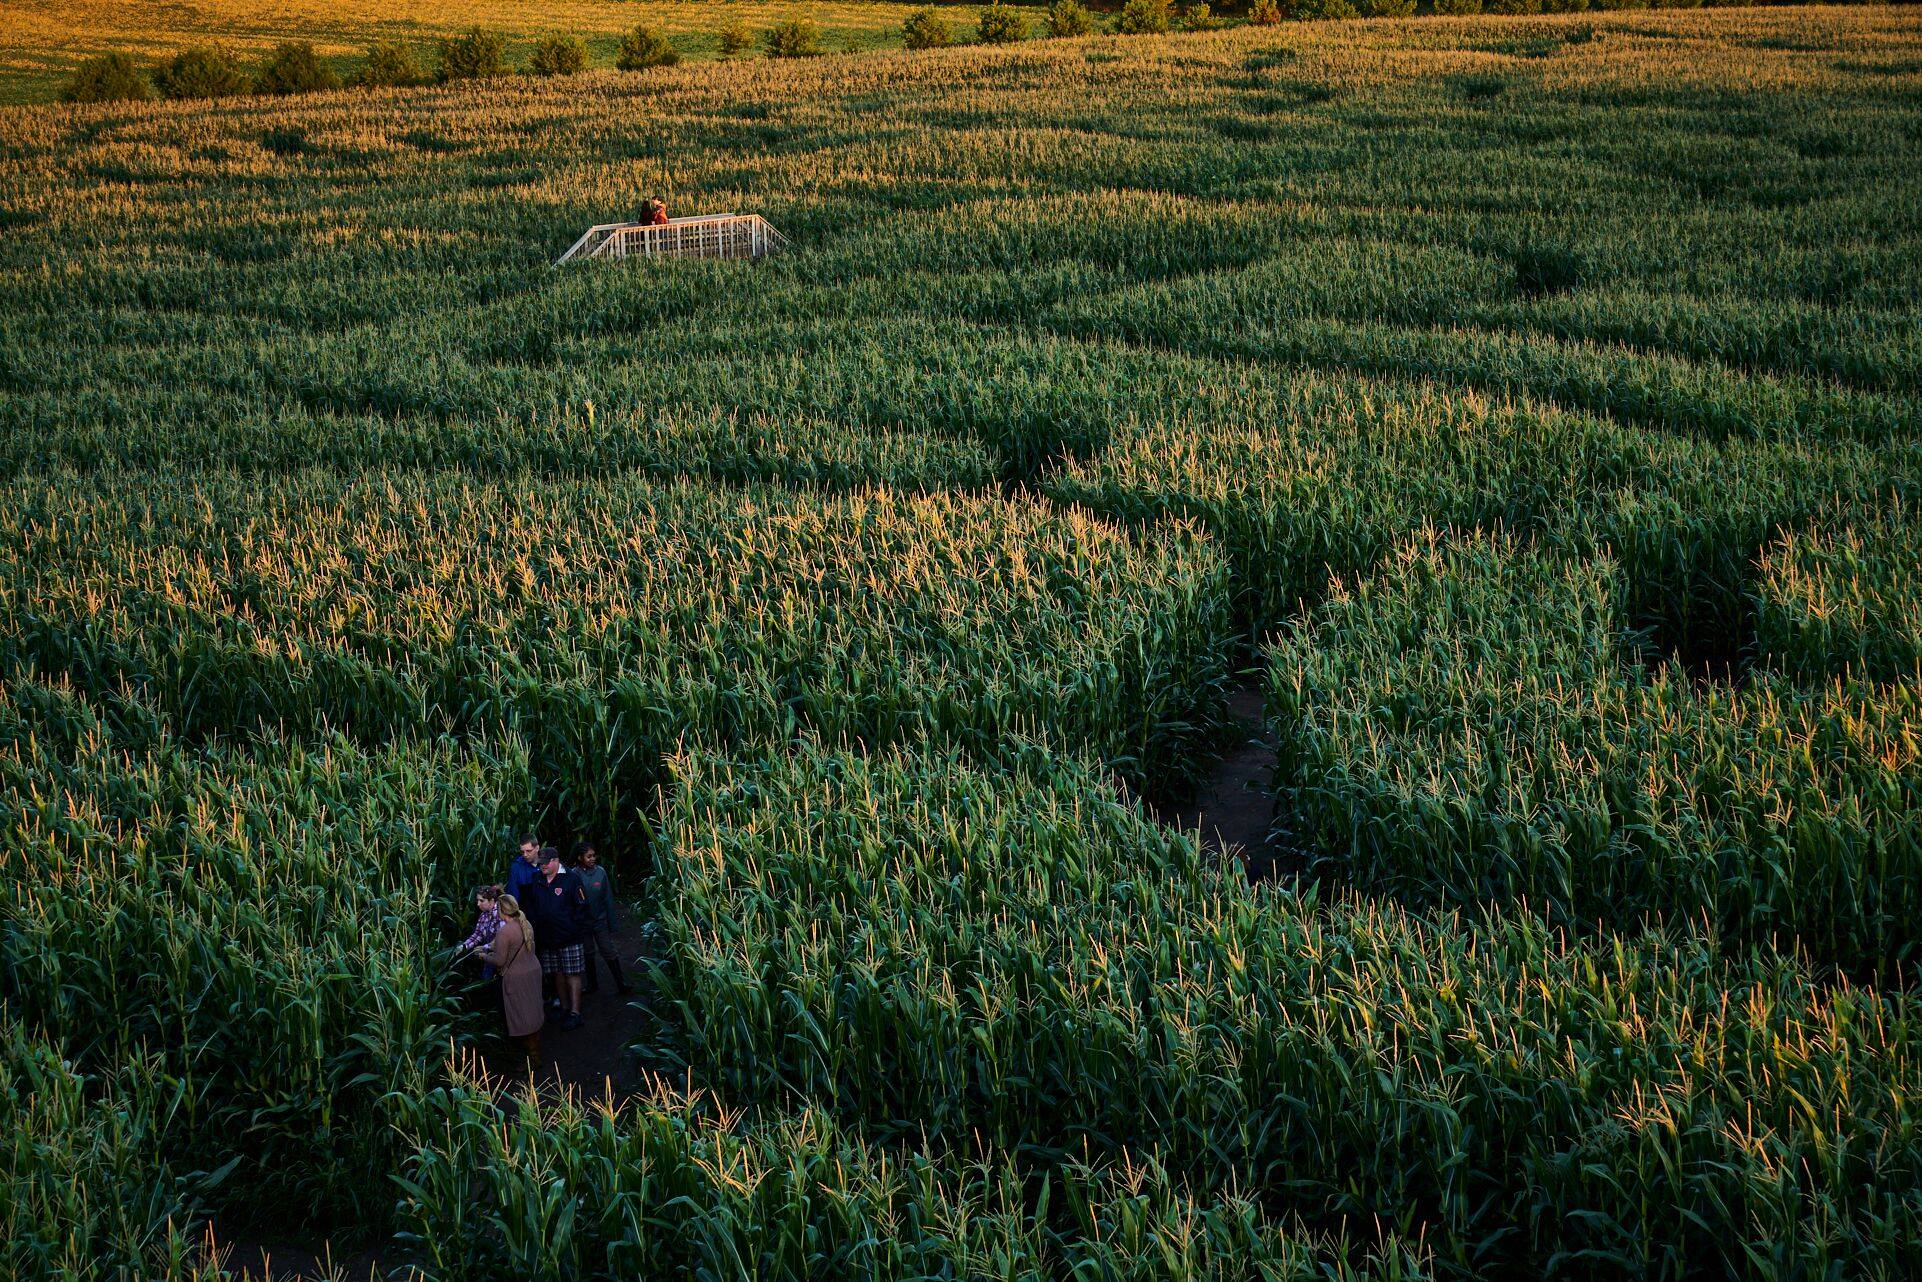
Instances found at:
x=1472 y=722
x=262 y=924
x=89 y=1190
x=1843 y=602
x=645 y=614
x=1023 y=960
x=672 y=1184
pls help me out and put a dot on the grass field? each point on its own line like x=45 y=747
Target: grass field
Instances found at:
x=41 y=41
x=1530 y=407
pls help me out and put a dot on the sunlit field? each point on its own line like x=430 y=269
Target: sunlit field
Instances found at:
x=1528 y=409
x=42 y=41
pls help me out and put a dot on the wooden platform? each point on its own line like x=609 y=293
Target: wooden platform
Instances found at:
x=700 y=236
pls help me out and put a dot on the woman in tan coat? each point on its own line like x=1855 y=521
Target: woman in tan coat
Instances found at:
x=512 y=954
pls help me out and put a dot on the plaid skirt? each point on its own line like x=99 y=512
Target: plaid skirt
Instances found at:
x=571 y=960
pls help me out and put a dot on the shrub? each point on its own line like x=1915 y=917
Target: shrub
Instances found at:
x=1001 y=24
x=477 y=54
x=645 y=47
x=1069 y=18
x=558 y=56
x=926 y=29
x=1458 y=6
x=1385 y=8
x=1512 y=6
x=295 y=68
x=1264 y=13
x=111 y=78
x=200 y=72
x=736 y=37
x=390 y=66
x=792 y=40
x=1308 y=10
x=1144 y=18
x=1196 y=17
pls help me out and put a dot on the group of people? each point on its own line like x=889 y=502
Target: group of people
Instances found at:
x=541 y=931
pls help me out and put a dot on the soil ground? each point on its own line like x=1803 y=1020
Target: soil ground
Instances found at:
x=1233 y=810
x=593 y=1059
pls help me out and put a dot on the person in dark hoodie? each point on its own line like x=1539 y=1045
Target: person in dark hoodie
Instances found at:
x=525 y=870
x=600 y=917
x=557 y=906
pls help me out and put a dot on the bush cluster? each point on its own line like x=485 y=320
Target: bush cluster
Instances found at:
x=645 y=47
x=1001 y=24
x=926 y=29
x=203 y=72
x=476 y=54
x=736 y=38
x=200 y=72
x=558 y=56
x=112 y=78
x=295 y=68
x=1145 y=18
x=1069 y=18
x=390 y=66
x=795 y=39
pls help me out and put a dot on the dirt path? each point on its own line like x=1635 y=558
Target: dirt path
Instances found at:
x=254 y=1261
x=594 y=1057
x=1234 y=809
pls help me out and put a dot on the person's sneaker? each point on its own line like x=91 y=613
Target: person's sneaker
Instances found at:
x=572 y=1022
x=554 y=1004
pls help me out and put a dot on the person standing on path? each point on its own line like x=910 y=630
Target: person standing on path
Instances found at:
x=558 y=908
x=512 y=954
x=525 y=870
x=599 y=887
x=487 y=903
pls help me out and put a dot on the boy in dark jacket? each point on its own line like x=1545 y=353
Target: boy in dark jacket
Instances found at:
x=557 y=906
x=600 y=917
x=525 y=870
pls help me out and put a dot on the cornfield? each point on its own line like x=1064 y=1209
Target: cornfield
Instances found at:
x=1528 y=407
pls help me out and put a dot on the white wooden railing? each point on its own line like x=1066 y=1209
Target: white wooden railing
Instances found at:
x=701 y=236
